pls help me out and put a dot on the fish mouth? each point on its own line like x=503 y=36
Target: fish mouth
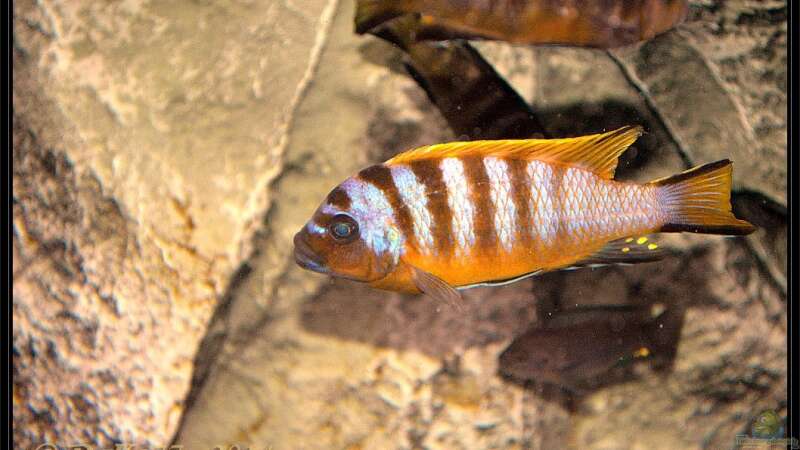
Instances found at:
x=305 y=257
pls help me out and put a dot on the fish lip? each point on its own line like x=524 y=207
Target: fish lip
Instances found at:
x=305 y=257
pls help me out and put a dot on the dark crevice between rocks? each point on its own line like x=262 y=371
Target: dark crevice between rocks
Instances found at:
x=769 y=246
x=651 y=106
x=219 y=331
x=759 y=209
x=211 y=345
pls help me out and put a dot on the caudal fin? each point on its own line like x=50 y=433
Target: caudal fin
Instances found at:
x=401 y=31
x=699 y=201
x=371 y=13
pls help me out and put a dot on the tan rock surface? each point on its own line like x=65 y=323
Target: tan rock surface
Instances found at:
x=730 y=63
x=145 y=136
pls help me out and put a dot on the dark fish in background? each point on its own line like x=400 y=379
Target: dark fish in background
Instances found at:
x=581 y=354
x=587 y=23
x=474 y=99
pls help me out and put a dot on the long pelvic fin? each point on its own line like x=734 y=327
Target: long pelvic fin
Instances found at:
x=597 y=153
x=435 y=287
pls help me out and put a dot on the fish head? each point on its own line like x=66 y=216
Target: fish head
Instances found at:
x=531 y=357
x=351 y=235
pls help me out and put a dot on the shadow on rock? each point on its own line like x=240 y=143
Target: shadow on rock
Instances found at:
x=596 y=326
x=355 y=311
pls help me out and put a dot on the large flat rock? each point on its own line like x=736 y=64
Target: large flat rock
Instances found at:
x=145 y=137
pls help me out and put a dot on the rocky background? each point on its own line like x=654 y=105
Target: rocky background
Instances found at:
x=165 y=153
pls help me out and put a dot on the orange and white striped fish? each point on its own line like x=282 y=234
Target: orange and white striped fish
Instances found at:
x=456 y=215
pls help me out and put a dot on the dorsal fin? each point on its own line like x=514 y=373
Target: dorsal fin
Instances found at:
x=597 y=153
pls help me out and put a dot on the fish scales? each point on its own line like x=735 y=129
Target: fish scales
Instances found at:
x=503 y=206
x=414 y=202
x=430 y=175
x=568 y=210
x=468 y=213
x=484 y=208
x=521 y=190
x=589 y=211
x=543 y=220
x=460 y=204
x=383 y=178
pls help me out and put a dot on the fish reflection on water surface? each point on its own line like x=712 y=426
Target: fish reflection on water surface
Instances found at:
x=465 y=214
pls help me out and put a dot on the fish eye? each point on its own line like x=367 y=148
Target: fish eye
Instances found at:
x=343 y=228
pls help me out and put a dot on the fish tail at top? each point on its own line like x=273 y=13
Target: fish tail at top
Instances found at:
x=699 y=201
x=372 y=13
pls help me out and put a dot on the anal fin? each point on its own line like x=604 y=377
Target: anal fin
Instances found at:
x=631 y=250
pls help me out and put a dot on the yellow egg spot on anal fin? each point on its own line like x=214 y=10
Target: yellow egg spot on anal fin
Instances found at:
x=641 y=240
x=628 y=240
x=618 y=252
x=642 y=352
x=652 y=246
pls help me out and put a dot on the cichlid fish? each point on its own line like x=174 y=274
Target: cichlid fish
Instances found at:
x=589 y=23
x=463 y=214
x=573 y=355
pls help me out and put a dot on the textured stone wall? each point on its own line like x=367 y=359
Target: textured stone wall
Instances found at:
x=165 y=153
x=146 y=135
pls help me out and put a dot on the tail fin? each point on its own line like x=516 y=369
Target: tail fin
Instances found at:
x=699 y=201
x=371 y=13
x=401 y=32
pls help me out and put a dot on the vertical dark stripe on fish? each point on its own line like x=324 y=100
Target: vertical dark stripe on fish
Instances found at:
x=480 y=188
x=381 y=177
x=339 y=198
x=560 y=201
x=521 y=192
x=429 y=174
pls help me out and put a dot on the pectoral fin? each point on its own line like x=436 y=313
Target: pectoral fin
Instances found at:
x=435 y=287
